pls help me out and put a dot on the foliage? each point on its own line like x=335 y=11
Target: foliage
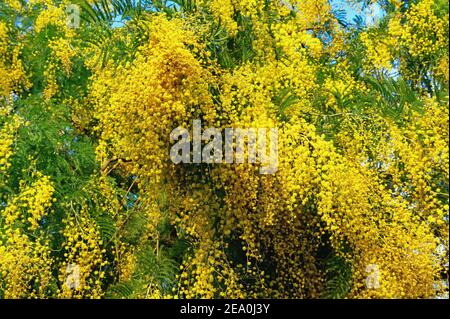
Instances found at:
x=91 y=205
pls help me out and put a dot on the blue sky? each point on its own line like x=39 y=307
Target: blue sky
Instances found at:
x=370 y=14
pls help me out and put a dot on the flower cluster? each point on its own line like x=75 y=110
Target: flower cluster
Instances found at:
x=31 y=205
x=83 y=268
x=7 y=136
x=358 y=206
x=24 y=258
